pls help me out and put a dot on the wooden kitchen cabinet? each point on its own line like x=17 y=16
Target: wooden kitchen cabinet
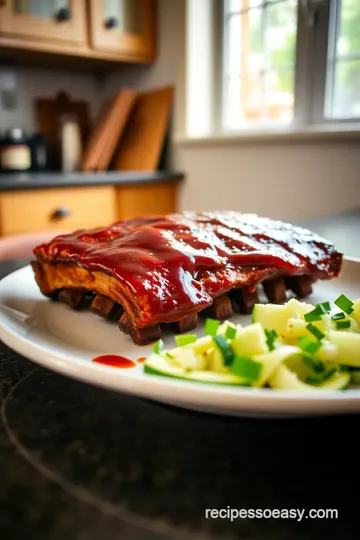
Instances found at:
x=146 y=200
x=24 y=212
x=93 y=30
x=71 y=208
x=62 y=21
x=124 y=27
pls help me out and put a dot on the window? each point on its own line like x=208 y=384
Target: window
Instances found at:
x=289 y=63
x=259 y=62
x=343 y=72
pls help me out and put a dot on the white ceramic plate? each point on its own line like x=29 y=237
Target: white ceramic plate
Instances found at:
x=66 y=341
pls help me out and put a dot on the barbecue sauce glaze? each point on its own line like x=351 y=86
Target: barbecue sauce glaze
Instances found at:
x=176 y=264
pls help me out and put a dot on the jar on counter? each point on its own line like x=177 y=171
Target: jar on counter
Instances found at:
x=38 y=152
x=15 y=151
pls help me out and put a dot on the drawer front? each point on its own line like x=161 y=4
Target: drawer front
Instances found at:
x=146 y=200
x=65 y=209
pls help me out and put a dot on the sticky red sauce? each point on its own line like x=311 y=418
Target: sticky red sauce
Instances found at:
x=176 y=264
x=114 y=360
x=141 y=360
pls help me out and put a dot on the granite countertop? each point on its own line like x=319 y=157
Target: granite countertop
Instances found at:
x=84 y=463
x=22 y=181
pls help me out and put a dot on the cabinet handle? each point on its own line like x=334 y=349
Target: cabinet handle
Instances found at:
x=60 y=213
x=63 y=14
x=111 y=22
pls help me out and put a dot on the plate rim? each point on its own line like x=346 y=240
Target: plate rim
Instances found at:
x=257 y=398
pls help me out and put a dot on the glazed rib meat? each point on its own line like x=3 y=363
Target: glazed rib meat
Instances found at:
x=168 y=269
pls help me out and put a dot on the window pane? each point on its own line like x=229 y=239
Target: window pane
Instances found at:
x=346 y=98
x=259 y=63
x=349 y=32
x=343 y=71
x=244 y=38
x=279 y=99
x=236 y=6
x=280 y=35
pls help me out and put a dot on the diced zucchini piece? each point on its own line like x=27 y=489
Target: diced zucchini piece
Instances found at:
x=328 y=351
x=216 y=361
x=273 y=317
x=221 y=331
x=295 y=328
x=284 y=379
x=271 y=360
x=355 y=376
x=348 y=347
x=250 y=341
x=356 y=313
x=300 y=308
x=157 y=365
x=202 y=345
x=186 y=358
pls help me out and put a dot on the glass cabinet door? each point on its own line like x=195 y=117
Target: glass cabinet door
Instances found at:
x=47 y=9
x=124 y=26
x=58 y=20
x=125 y=15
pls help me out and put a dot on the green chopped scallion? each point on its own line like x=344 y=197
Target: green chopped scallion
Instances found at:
x=308 y=345
x=169 y=355
x=344 y=303
x=225 y=349
x=324 y=307
x=211 y=326
x=313 y=316
x=158 y=347
x=271 y=336
x=313 y=363
x=338 y=316
x=315 y=331
x=246 y=367
x=230 y=332
x=185 y=339
x=343 y=324
x=318 y=379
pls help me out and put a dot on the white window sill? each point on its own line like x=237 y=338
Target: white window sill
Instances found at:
x=316 y=132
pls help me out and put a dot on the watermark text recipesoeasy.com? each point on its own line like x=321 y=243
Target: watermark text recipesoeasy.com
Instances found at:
x=256 y=513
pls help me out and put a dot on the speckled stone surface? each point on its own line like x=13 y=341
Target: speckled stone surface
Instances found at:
x=82 y=463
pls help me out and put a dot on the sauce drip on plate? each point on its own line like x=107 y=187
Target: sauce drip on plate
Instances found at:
x=114 y=360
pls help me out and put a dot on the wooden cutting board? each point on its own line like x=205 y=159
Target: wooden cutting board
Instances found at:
x=48 y=114
x=141 y=144
x=111 y=124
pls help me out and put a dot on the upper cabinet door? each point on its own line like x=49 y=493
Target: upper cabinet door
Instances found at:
x=55 y=20
x=124 y=27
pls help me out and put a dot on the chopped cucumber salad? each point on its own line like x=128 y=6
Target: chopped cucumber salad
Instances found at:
x=293 y=346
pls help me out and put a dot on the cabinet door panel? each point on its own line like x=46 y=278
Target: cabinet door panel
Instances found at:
x=51 y=20
x=126 y=27
x=146 y=200
x=54 y=209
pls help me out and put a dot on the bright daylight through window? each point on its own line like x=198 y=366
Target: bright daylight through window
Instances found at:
x=288 y=62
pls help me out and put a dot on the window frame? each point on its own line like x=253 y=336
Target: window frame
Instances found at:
x=314 y=28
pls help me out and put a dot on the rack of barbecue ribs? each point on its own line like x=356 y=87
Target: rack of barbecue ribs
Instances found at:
x=149 y=273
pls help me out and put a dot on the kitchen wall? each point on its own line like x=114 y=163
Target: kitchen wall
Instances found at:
x=296 y=179
x=32 y=83
x=289 y=180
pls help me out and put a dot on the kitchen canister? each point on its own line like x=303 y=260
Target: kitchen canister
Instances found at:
x=71 y=146
x=15 y=151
